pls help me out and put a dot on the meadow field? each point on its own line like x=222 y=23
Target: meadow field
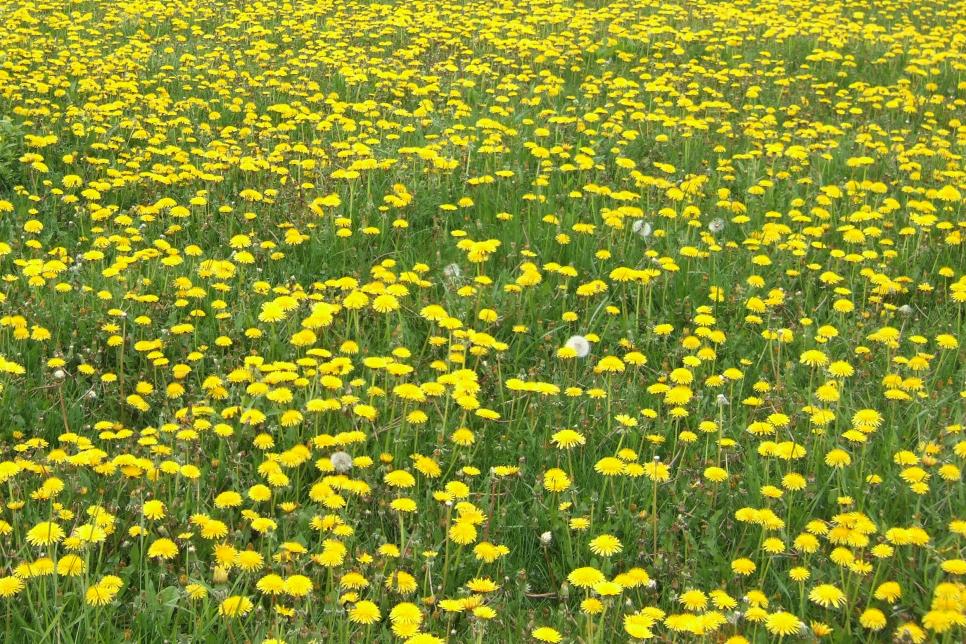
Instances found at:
x=464 y=321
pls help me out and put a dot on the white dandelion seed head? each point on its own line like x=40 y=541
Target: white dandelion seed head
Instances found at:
x=905 y=309
x=716 y=225
x=642 y=228
x=341 y=462
x=579 y=344
x=546 y=538
x=59 y=374
x=722 y=400
x=452 y=271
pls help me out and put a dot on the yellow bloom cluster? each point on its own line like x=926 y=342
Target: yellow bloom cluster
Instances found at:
x=428 y=321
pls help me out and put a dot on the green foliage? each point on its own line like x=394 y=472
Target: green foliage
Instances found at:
x=11 y=148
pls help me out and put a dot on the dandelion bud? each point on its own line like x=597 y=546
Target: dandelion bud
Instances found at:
x=564 y=591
